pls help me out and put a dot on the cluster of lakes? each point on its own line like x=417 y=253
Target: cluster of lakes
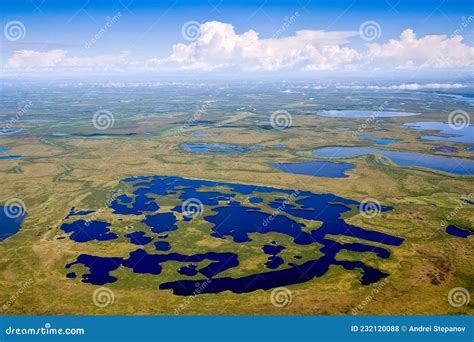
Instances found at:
x=231 y=219
x=269 y=210
x=463 y=134
x=408 y=159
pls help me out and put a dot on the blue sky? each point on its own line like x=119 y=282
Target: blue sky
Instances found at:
x=149 y=29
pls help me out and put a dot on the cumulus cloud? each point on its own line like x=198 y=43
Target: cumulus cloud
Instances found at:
x=435 y=51
x=34 y=60
x=220 y=46
x=25 y=59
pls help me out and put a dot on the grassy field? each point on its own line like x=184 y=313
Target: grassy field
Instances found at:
x=83 y=171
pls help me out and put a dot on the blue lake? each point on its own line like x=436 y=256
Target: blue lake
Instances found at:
x=219 y=148
x=316 y=168
x=84 y=231
x=139 y=238
x=363 y=113
x=459 y=232
x=10 y=220
x=378 y=141
x=213 y=148
x=203 y=134
x=162 y=246
x=5 y=149
x=464 y=135
x=445 y=164
x=227 y=218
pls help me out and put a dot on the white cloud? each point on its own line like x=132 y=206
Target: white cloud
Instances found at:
x=219 y=46
x=417 y=86
x=34 y=60
x=29 y=59
x=406 y=86
x=435 y=51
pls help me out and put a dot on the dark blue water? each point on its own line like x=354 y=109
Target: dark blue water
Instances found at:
x=445 y=149
x=139 y=238
x=316 y=168
x=273 y=261
x=228 y=218
x=84 y=231
x=142 y=262
x=11 y=157
x=73 y=212
x=455 y=134
x=459 y=232
x=445 y=164
x=162 y=246
x=378 y=141
x=189 y=270
x=10 y=220
x=161 y=222
x=363 y=113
